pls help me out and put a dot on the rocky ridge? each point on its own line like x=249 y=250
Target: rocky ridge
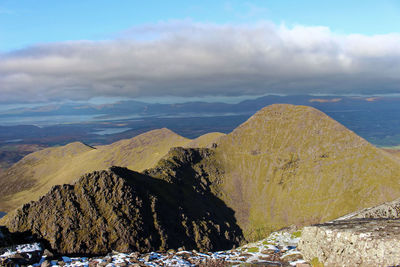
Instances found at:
x=387 y=210
x=125 y=211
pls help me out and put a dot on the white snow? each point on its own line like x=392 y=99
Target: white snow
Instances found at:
x=278 y=244
x=22 y=249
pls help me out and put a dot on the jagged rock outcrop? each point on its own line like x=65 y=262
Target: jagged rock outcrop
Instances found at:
x=190 y=167
x=387 y=210
x=357 y=242
x=124 y=210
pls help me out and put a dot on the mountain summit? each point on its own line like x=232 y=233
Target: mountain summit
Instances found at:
x=295 y=165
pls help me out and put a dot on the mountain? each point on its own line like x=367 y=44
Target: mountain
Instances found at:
x=36 y=173
x=285 y=165
x=295 y=165
x=127 y=211
x=290 y=165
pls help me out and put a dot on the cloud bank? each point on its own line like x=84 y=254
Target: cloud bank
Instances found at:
x=190 y=59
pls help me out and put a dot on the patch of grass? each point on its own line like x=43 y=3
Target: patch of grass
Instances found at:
x=267 y=243
x=296 y=234
x=316 y=263
x=253 y=249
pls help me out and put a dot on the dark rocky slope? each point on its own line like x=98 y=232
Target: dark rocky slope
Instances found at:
x=124 y=210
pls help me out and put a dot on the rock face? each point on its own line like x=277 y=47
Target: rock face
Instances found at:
x=357 y=242
x=387 y=210
x=123 y=210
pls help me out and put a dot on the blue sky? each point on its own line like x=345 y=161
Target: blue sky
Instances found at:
x=28 y=22
x=89 y=49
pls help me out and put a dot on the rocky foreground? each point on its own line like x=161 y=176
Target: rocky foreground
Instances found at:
x=279 y=249
x=369 y=237
x=357 y=242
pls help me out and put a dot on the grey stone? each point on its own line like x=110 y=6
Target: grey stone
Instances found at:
x=387 y=210
x=356 y=242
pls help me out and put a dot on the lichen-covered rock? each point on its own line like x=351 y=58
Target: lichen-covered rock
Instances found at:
x=124 y=210
x=387 y=210
x=357 y=242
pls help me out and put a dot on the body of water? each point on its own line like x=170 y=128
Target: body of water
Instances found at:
x=111 y=131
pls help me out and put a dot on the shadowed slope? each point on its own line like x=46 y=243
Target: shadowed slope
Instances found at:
x=295 y=165
x=126 y=211
x=35 y=174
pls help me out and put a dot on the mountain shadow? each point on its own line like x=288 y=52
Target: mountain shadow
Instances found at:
x=123 y=210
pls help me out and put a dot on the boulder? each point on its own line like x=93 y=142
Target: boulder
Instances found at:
x=356 y=242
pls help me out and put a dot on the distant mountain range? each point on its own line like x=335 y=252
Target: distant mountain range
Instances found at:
x=286 y=165
x=142 y=109
x=374 y=118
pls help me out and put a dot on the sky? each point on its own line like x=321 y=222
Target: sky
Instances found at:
x=79 y=50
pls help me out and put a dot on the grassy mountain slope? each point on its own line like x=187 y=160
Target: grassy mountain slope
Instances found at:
x=36 y=173
x=204 y=141
x=295 y=165
x=394 y=151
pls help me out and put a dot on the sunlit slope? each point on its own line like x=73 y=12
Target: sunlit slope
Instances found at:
x=394 y=151
x=204 y=141
x=293 y=165
x=35 y=174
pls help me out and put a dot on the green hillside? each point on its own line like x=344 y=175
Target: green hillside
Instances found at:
x=36 y=173
x=295 y=165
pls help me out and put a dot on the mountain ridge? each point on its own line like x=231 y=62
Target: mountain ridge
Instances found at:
x=123 y=210
x=36 y=173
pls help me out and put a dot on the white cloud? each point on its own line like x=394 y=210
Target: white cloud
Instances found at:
x=183 y=58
